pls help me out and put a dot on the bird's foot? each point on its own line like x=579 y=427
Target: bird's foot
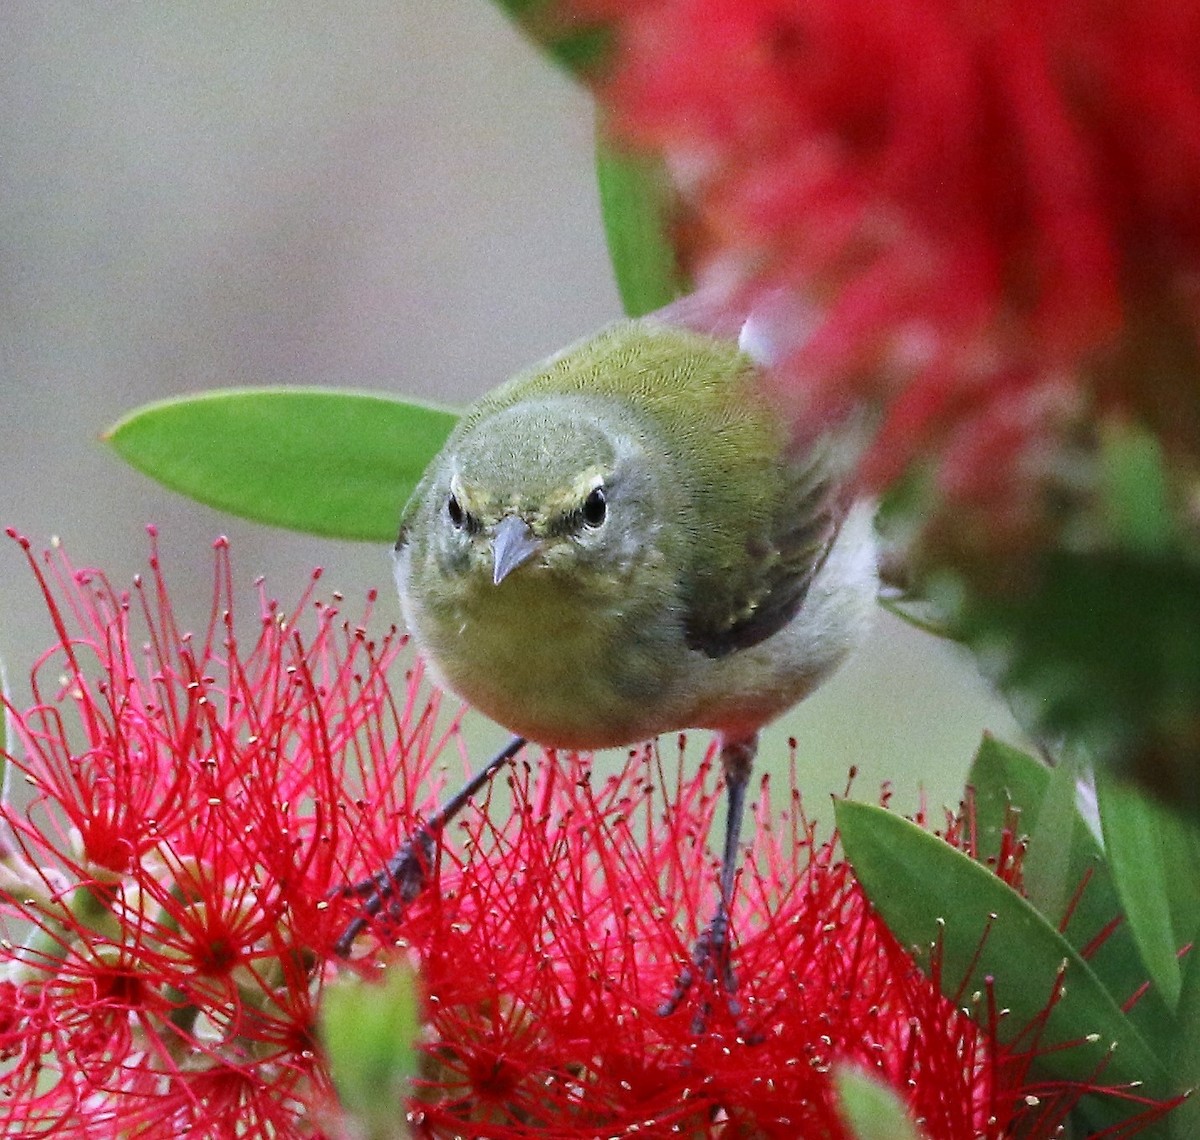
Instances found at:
x=407 y=872
x=710 y=961
x=405 y=876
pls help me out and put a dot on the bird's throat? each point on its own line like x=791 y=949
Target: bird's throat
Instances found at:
x=536 y=654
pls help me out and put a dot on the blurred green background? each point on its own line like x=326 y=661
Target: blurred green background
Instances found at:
x=363 y=195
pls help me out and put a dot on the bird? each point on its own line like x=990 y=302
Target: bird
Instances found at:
x=628 y=540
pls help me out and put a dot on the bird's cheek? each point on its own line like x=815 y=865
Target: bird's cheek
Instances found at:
x=641 y=552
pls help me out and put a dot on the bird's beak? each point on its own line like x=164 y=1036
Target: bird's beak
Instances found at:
x=512 y=545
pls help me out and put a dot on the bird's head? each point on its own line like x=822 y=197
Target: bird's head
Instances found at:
x=550 y=489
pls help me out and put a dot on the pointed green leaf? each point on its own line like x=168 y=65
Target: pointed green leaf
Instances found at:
x=639 y=208
x=871 y=1110
x=922 y=614
x=580 y=46
x=1185 y=1120
x=1005 y=778
x=1154 y=855
x=1007 y=783
x=333 y=463
x=1049 y=880
x=929 y=893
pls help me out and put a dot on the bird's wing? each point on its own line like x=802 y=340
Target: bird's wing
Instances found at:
x=755 y=594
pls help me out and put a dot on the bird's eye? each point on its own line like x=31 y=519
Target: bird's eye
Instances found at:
x=595 y=507
x=455 y=513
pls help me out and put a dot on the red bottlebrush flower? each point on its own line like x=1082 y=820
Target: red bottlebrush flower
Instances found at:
x=163 y=894
x=987 y=205
x=575 y=916
x=169 y=908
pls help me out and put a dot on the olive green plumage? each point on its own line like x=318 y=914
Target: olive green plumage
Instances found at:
x=622 y=541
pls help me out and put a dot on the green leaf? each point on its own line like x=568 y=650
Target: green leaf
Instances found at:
x=369 y=1032
x=931 y=894
x=1185 y=1120
x=639 y=207
x=333 y=463
x=1005 y=779
x=869 y=1108
x=918 y=612
x=1154 y=855
x=1049 y=880
x=1136 y=494
x=581 y=47
x=1007 y=784
x=1107 y=649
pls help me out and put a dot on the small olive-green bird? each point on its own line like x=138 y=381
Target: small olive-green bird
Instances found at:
x=624 y=541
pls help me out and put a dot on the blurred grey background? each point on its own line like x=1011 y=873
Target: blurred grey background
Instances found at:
x=365 y=195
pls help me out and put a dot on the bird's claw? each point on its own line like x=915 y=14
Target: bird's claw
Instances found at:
x=710 y=961
x=403 y=878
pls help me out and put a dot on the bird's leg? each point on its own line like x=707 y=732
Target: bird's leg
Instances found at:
x=406 y=873
x=710 y=955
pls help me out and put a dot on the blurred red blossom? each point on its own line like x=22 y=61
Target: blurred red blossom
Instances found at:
x=991 y=212
x=170 y=901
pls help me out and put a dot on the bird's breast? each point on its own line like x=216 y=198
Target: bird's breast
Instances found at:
x=563 y=663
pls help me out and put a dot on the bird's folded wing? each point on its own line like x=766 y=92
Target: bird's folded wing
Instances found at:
x=763 y=579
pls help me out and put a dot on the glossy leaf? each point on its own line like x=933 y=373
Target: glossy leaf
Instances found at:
x=871 y=1110
x=1154 y=855
x=1185 y=1120
x=1011 y=784
x=639 y=208
x=1049 y=879
x=1007 y=785
x=333 y=463
x=931 y=894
